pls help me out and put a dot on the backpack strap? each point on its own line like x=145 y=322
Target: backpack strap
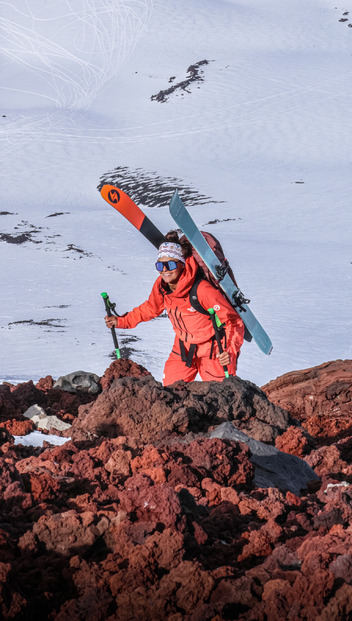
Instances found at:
x=193 y=297
x=195 y=303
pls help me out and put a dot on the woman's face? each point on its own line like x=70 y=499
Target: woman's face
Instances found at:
x=171 y=277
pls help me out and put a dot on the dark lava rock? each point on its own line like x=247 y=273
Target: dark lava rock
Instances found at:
x=144 y=409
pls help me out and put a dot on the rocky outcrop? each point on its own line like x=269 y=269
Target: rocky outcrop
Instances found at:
x=144 y=409
x=321 y=398
x=130 y=520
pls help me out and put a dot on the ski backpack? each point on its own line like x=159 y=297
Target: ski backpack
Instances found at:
x=205 y=273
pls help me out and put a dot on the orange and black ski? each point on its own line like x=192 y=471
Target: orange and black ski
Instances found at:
x=125 y=205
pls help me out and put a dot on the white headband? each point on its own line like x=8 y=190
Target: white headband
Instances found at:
x=172 y=250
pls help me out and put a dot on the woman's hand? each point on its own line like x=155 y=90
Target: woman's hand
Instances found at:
x=111 y=322
x=224 y=358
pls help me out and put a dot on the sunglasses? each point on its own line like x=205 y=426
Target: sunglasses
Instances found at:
x=170 y=265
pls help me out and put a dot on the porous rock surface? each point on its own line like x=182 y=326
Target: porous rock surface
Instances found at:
x=320 y=397
x=125 y=526
x=144 y=409
x=272 y=467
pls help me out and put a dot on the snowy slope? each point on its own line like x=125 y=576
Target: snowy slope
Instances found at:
x=263 y=136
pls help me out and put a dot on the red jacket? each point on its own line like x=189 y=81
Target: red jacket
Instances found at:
x=189 y=325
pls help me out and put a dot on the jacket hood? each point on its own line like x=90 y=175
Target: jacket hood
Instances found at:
x=187 y=278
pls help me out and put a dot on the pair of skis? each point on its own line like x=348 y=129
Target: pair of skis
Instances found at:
x=125 y=205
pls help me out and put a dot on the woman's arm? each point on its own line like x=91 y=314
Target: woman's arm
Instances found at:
x=152 y=307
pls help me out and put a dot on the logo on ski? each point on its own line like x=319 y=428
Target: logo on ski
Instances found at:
x=114 y=196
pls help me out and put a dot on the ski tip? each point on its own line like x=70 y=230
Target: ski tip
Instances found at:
x=175 y=202
x=266 y=348
x=111 y=194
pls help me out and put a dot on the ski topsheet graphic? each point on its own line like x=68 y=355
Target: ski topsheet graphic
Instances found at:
x=125 y=205
x=193 y=234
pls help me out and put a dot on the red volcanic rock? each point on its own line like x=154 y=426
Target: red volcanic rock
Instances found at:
x=329 y=427
x=320 y=397
x=7 y=405
x=69 y=531
x=231 y=595
x=151 y=503
x=122 y=368
x=328 y=460
x=200 y=467
x=226 y=462
x=339 y=606
x=19 y=427
x=265 y=506
x=295 y=441
x=183 y=588
x=260 y=542
x=23 y=396
x=5 y=437
x=144 y=516
x=45 y=383
x=90 y=603
x=42 y=485
x=8 y=475
x=15 y=401
x=337 y=508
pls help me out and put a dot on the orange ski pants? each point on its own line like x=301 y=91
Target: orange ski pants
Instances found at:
x=208 y=368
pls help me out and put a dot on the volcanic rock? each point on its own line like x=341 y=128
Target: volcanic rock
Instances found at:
x=5 y=436
x=18 y=427
x=273 y=468
x=145 y=516
x=320 y=397
x=144 y=409
x=15 y=400
x=44 y=422
x=122 y=368
x=35 y=411
x=79 y=381
x=296 y=441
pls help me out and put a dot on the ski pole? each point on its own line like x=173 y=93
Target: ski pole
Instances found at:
x=110 y=307
x=217 y=325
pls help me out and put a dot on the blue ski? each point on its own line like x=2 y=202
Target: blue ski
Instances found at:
x=193 y=234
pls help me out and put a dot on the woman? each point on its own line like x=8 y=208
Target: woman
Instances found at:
x=195 y=349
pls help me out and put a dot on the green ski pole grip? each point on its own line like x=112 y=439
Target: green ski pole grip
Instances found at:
x=217 y=325
x=107 y=303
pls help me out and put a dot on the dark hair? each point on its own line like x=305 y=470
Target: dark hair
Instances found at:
x=186 y=246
